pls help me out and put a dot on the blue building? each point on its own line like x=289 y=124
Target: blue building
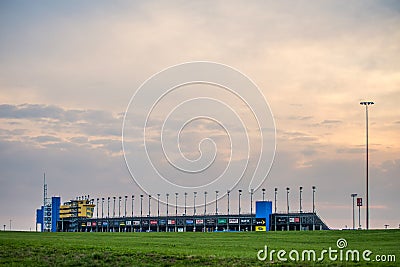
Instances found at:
x=48 y=215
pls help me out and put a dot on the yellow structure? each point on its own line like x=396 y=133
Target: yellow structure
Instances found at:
x=77 y=208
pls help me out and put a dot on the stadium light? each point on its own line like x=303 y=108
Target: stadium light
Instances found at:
x=108 y=207
x=158 y=205
x=176 y=211
x=276 y=192
x=149 y=207
x=167 y=195
x=301 y=191
x=185 y=201
x=205 y=202
x=133 y=198
x=263 y=194
x=119 y=207
x=194 y=203
x=287 y=199
x=313 y=198
x=141 y=206
x=126 y=198
x=114 y=208
x=366 y=104
x=102 y=207
x=216 y=202
x=97 y=208
x=228 y=192
x=166 y=226
x=176 y=204
x=240 y=193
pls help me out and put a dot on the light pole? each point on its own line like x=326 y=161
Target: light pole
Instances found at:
x=158 y=205
x=166 y=227
x=216 y=202
x=194 y=203
x=240 y=193
x=354 y=225
x=229 y=192
x=263 y=194
x=313 y=198
x=141 y=206
x=366 y=104
x=119 y=207
x=102 y=207
x=97 y=208
x=276 y=192
x=251 y=201
x=185 y=202
x=108 y=207
x=133 y=198
x=126 y=198
x=167 y=203
x=251 y=209
x=287 y=198
x=114 y=208
x=176 y=212
x=205 y=203
x=149 y=207
x=301 y=191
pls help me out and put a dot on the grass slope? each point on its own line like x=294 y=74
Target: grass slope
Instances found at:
x=184 y=249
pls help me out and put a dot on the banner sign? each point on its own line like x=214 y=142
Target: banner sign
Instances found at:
x=261 y=228
x=222 y=221
x=153 y=222
x=136 y=222
x=359 y=202
x=171 y=222
x=260 y=221
x=210 y=221
x=199 y=221
x=189 y=221
x=233 y=220
x=245 y=221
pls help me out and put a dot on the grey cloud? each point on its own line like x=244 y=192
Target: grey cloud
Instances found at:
x=46 y=139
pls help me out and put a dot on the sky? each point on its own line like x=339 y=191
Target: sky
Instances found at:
x=68 y=70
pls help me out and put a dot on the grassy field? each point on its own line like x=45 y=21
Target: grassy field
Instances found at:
x=184 y=249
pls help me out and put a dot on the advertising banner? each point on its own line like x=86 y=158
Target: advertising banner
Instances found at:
x=233 y=221
x=189 y=221
x=199 y=221
x=221 y=221
x=261 y=228
x=136 y=222
x=153 y=222
x=128 y=223
x=171 y=222
x=260 y=221
x=210 y=221
x=245 y=221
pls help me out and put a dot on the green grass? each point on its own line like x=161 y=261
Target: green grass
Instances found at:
x=185 y=249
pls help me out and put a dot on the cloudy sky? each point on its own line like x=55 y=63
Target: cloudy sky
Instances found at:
x=69 y=68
